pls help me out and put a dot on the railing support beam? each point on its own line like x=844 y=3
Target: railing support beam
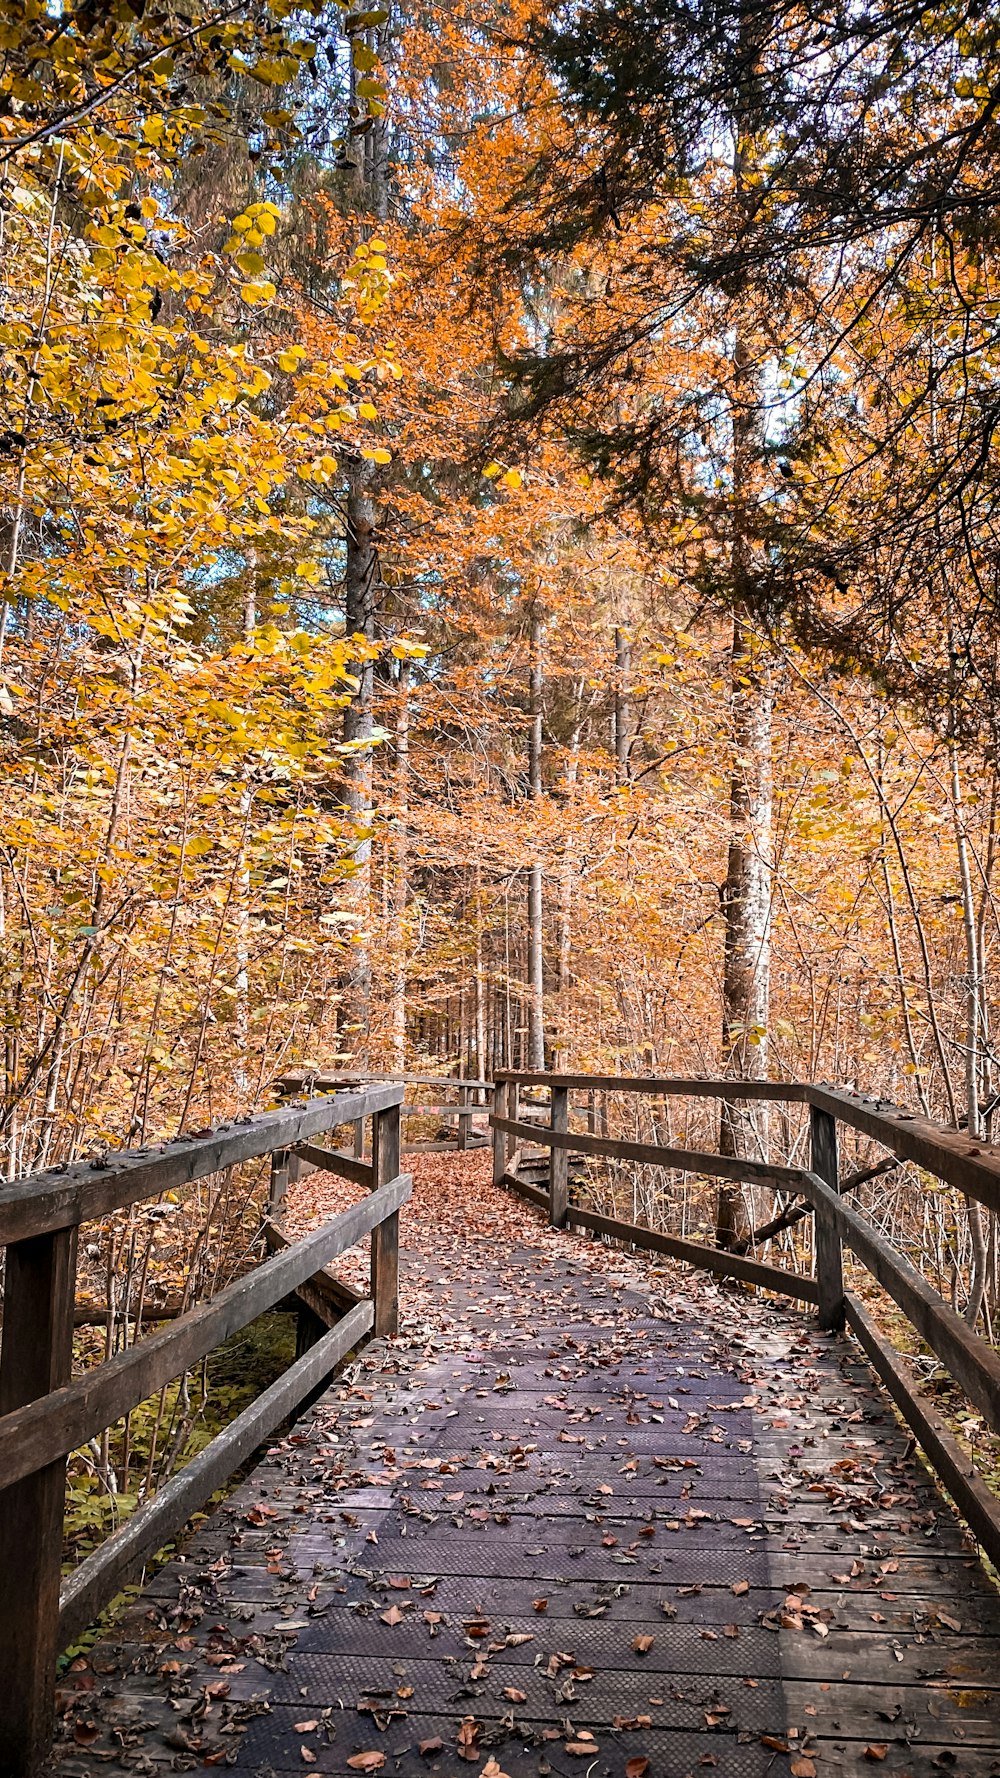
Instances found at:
x=559 y=1159
x=385 y=1238
x=829 y=1252
x=499 y=1136
x=36 y=1357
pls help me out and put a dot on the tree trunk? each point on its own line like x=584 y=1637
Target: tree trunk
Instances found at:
x=621 y=722
x=400 y=878
x=367 y=155
x=747 y=914
x=535 y=972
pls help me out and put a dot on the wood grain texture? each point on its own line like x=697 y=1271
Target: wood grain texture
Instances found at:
x=103 y=1574
x=43 y=1430
x=89 y=1190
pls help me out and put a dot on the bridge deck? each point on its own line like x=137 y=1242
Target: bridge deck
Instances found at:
x=583 y=1517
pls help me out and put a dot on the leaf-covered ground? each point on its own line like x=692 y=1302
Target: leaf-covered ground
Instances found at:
x=585 y=1516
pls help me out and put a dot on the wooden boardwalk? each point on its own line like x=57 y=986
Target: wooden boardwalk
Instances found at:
x=582 y=1517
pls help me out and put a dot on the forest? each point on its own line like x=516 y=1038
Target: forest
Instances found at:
x=499 y=567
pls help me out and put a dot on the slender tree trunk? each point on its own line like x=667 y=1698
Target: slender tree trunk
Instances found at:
x=400 y=877
x=535 y=971
x=367 y=150
x=747 y=913
x=974 y=994
x=621 y=715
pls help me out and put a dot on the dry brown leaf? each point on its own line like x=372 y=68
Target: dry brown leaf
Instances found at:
x=372 y=1761
x=641 y=1645
x=739 y=1587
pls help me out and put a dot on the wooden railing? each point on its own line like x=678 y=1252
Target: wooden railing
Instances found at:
x=427 y=1100
x=45 y=1413
x=948 y=1155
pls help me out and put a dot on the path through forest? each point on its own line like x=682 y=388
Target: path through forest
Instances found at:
x=584 y=1516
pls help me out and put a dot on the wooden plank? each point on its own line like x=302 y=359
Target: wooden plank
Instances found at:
x=385 y=1237
x=829 y=1254
x=36 y=1357
x=692 y=1086
x=43 y=1430
x=327 y=1296
x=976 y=1502
x=298 y=1079
x=689 y=1160
x=972 y=1167
x=89 y=1190
x=709 y=1259
x=278 y=1185
x=334 y=1160
x=104 y=1573
x=525 y=1189
x=499 y=1137
x=559 y=1159
x=973 y=1364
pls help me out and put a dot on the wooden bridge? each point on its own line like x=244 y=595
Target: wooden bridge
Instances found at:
x=574 y=1512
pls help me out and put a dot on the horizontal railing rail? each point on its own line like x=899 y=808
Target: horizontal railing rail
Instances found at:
x=46 y=1413
x=472 y=1095
x=973 y=1168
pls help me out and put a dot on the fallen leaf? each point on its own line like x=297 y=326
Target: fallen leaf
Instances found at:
x=637 y=1767
x=739 y=1587
x=641 y=1645
x=306 y=1728
x=803 y=1767
x=877 y=1750
x=367 y=1762
x=430 y=1747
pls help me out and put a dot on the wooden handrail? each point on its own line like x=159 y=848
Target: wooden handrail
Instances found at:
x=972 y=1167
x=45 y=1413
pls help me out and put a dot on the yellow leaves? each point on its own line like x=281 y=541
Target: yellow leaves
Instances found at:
x=376 y=455
x=508 y=478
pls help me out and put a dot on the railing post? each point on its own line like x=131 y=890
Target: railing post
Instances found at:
x=279 y=1181
x=499 y=1138
x=464 y=1117
x=36 y=1357
x=514 y=1113
x=829 y=1254
x=558 y=1159
x=385 y=1238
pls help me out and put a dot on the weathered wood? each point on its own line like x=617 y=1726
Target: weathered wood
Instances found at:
x=708 y=1259
x=525 y=1189
x=972 y=1167
x=499 y=1136
x=974 y=1364
x=89 y=1190
x=103 y=1574
x=559 y=1159
x=692 y=1086
x=329 y=1297
x=689 y=1160
x=385 y=1238
x=298 y=1080
x=464 y=1118
x=976 y=1502
x=829 y=1256
x=278 y=1184
x=36 y=1356
x=334 y=1160
x=44 y=1430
